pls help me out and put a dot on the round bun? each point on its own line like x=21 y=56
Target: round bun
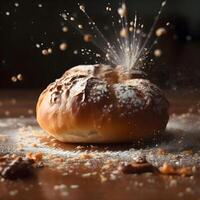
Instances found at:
x=101 y=104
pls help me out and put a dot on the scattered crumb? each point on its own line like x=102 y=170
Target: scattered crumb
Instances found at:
x=20 y=77
x=82 y=8
x=180 y=194
x=74 y=186
x=124 y=33
x=86 y=156
x=49 y=50
x=20 y=147
x=37 y=45
x=35 y=156
x=160 y=31
x=13 y=192
x=14 y=79
x=3 y=138
x=80 y=26
x=13 y=101
x=88 y=38
x=45 y=52
x=14 y=167
x=16 y=4
x=7 y=113
x=86 y=175
x=63 y=46
x=53 y=140
x=189 y=190
x=106 y=166
x=54 y=144
x=131 y=29
x=87 y=164
x=30 y=111
x=2 y=179
x=80 y=147
x=140 y=165
x=173 y=183
x=161 y=151
x=122 y=11
x=113 y=177
x=188 y=152
x=34 y=145
x=103 y=178
x=65 y=29
x=170 y=170
x=62 y=189
x=157 y=52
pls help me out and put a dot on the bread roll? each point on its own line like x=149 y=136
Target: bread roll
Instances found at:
x=101 y=104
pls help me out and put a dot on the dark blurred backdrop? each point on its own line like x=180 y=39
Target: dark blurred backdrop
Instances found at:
x=25 y=23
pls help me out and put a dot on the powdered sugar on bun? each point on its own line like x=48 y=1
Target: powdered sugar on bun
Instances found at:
x=97 y=103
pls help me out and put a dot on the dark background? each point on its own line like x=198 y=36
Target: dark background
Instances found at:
x=29 y=24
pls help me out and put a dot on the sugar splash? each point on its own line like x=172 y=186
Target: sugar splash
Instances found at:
x=131 y=46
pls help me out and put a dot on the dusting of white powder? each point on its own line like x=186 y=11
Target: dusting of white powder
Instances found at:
x=127 y=95
x=98 y=91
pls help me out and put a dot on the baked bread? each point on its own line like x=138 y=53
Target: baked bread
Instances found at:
x=101 y=104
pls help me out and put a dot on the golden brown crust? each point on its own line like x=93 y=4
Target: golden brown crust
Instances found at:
x=95 y=104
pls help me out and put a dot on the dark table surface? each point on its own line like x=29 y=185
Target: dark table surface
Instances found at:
x=74 y=171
